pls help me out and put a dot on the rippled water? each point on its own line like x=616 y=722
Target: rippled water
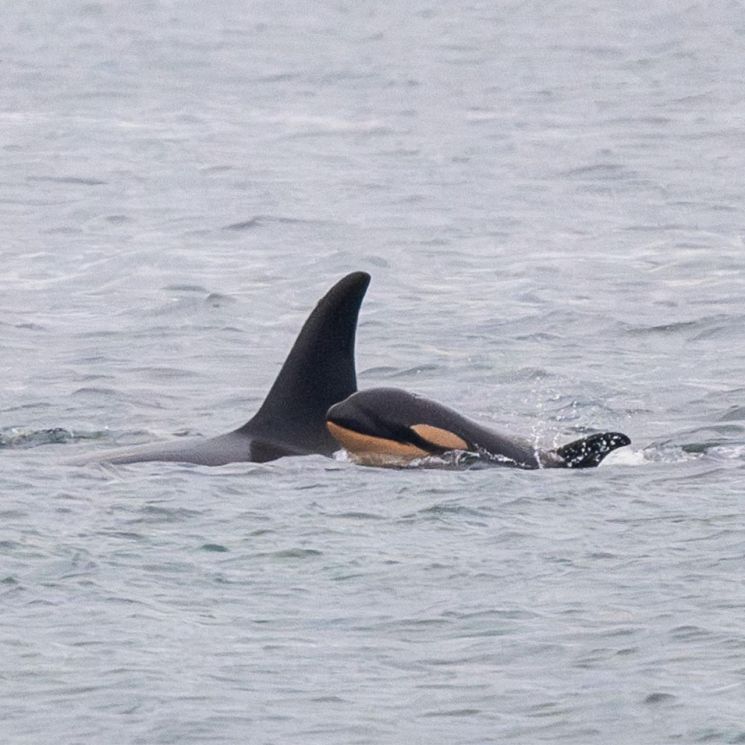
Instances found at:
x=548 y=199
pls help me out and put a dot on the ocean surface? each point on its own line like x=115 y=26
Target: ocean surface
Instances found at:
x=548 y=197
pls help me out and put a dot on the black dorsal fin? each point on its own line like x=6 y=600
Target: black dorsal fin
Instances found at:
x=589 y=451
x=318 y=372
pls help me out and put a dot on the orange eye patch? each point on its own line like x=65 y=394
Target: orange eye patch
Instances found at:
x=441 y=438
x=360 y=444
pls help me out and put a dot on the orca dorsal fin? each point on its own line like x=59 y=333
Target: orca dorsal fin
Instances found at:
x=589 y=451
x=318 y=372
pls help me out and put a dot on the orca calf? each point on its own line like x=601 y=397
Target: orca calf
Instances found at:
x=388 y=426
x=318 y=372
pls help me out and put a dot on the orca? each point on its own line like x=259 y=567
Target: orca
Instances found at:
x=389 y=426
x=318 y=372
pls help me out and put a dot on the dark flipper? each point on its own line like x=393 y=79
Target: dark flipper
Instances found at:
x=318 y=372
x=589 y=451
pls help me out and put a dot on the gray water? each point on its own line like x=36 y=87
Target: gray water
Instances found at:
x=548 y=198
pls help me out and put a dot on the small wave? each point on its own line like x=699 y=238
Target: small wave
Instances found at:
x=728 y=452
x=418 y=370
x=699 y=329
x=254 y=222
x=300 y=126
x=659 y=697
x=218 y=300
x=214 y=548
x=443 y=509
x=672 y=451
x=72 y=180
x=661 y=328
x=186 y=288
x=292 y=553
x=525 y=374
x=18 y=439
x=734 y=414
x=356 y=515
x=600 y=171
x=379 y=371
x=259 y=221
